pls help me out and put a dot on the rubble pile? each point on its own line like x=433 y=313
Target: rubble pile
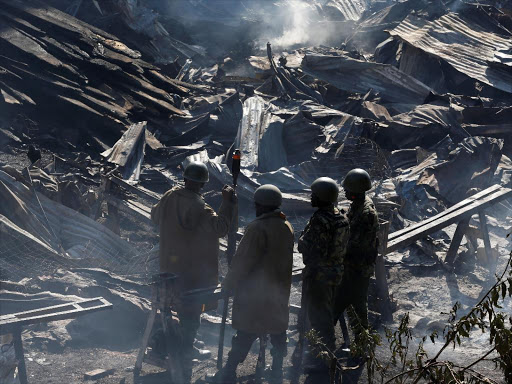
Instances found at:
x=120 y=95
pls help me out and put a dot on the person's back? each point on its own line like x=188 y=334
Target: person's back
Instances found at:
x=323 y=244
x=189 y=246
x=189 y=237
x=260 y=277
x=364 y=225
x=263 y=276
x=324 y=247
x=361 y=254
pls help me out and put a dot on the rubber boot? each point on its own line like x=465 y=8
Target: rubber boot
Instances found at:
x=276 y=375
x=226 y=375
x=314 y=364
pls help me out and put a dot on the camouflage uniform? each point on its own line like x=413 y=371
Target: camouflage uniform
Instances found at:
x=359 y=260
x=322 y=244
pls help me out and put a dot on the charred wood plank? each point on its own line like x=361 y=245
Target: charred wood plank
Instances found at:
x=457 y=238
x=12 y=41
x=10 y=322
x=131 y=207
x=464 y=210
x=153 y=197
x=180 y=85
x=20 y=355
x=485 y=236
x=453 y=208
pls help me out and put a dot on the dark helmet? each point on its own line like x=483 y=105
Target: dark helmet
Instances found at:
x=357 y=181
x=325 y=189
x=268 y=195
x=196 y=171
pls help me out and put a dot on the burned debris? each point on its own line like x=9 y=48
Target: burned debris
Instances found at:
x=103 y=105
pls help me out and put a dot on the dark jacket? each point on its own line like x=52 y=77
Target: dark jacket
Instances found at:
x=189 y=236
x=261 y=276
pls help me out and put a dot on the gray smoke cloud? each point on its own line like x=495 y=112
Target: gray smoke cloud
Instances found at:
x=301 y=23
x=284 y=23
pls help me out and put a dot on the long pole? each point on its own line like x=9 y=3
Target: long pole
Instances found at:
x=302 y=326
x=230 y=252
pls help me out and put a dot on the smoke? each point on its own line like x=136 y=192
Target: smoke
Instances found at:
x=297 y=23
x=295 y=16
x=222 y=26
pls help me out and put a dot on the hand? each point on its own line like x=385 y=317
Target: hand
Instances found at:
x=228 y=193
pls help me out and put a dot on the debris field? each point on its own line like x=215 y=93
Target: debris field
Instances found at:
x=103 y=104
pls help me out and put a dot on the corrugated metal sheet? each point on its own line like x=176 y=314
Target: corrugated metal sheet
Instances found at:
x=57 y=226
x=360 y=76
x=350 y=9
x=128 y=152
x=259 y=137
x=467 y=47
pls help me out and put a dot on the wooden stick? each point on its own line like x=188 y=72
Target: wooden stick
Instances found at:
x=457 y=238
x=20 y=356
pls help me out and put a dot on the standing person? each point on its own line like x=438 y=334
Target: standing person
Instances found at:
x=189 y=245
x=322 y=245
x=260 y=277
x=362 y=247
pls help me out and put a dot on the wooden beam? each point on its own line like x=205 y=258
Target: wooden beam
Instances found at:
x=20 y=355
x=453 y=208
x=457 y=238
x=485 y=235
x=153 y=197
x=57 y=312
x=443 y=220
x=98 y=374
x=131 y=207
x=381 y=275
x=145 y=340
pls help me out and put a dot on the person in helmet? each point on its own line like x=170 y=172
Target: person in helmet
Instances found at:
x=322 y=244
x=260 y=278
x=189 y=245
x=361 y=249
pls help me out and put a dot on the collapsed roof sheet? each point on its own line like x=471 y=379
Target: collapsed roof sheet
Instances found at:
x=433 y=182
x=57 y=226
x=260 y=137
x=67 y=70
x=425 y=125
x=128 y=152
x=464 y=45
x=33 y=226
x=360 y=76
x=348 y=9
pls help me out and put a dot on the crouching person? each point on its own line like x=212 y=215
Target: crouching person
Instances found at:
x=260 y=277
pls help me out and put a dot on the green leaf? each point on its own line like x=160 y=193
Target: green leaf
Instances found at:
x=494 y=296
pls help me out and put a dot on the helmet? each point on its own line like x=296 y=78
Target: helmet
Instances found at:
x=325 y=189
x=196 y=171
x=357 y=181
x=268 y=195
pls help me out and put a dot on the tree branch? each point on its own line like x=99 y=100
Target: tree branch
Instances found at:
x=479 y=360
x=450 y=339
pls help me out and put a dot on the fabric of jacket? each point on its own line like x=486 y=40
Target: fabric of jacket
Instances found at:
x=323 y=245
x=261 y=276
x=362 y=243
x=189 y=237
